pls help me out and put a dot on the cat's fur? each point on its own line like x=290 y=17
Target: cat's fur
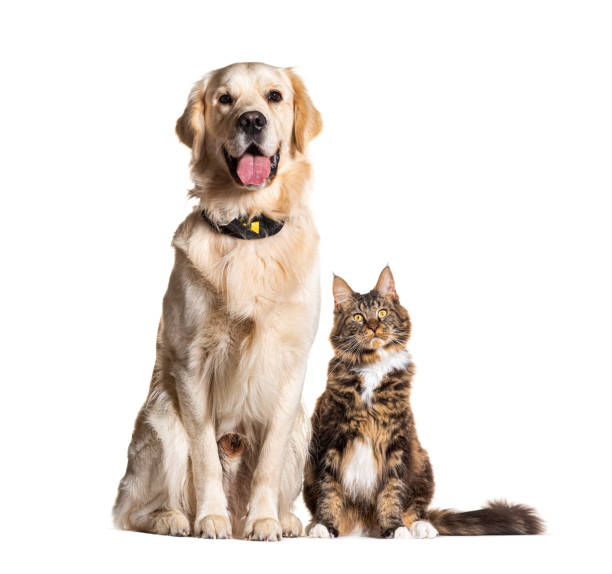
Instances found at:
x=367 y=470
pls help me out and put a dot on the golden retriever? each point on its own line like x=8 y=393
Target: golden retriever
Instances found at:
x=219 y=445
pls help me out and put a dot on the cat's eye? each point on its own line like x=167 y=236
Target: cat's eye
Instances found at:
x=382 y=313
x=358 y=317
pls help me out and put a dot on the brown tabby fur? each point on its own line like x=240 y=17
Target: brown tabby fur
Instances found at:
x=404 y=480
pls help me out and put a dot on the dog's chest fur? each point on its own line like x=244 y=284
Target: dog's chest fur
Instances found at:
x=252 y=277
x=257 y=309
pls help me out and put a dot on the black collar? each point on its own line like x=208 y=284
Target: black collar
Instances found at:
x=254 y=228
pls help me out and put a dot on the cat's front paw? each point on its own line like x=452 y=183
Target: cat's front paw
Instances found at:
x=321 y=531
x=399 y=532
x=423 y=529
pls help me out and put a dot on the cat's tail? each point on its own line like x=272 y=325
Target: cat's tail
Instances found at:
x=497 y=517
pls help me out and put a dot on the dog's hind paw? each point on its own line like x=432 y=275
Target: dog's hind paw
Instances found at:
x=171 y=522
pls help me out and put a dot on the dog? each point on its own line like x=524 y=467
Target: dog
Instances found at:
x=219 y=445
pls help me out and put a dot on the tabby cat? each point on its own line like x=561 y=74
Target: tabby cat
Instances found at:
x=367 y=471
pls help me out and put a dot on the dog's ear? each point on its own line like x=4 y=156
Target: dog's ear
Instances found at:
x=190 y=126
x=386 y=284
x=342 y=292
x=307 y=122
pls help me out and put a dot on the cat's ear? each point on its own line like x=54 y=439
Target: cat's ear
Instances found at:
x=386 y=284
x=342 y=292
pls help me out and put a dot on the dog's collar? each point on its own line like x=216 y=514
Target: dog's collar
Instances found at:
x=242 y=228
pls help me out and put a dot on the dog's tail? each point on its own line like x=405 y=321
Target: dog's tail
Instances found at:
x=497 y=517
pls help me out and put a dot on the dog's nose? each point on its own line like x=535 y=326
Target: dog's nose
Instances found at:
x=252 y=122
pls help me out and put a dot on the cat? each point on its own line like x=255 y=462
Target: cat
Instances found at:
x=367 y=472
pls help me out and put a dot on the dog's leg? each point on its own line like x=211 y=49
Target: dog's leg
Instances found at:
x=211 y=516
x=236 y=456
x=293 y=472
x=193 y=348
x=141 y=490
x=151 y=494
x=263 y=516
x=212 y=519
x=175 y=455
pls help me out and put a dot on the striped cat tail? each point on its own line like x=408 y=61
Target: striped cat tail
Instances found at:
x=497 y=517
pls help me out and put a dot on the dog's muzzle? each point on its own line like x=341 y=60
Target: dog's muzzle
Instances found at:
x=252 y=168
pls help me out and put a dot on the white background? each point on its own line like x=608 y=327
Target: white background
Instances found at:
x=468 y=144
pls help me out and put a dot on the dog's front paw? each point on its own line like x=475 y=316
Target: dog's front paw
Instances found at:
x=264 y=529
x=291 y=525
x=213 y=526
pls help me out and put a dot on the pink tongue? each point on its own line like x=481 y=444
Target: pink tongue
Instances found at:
x=253 y=169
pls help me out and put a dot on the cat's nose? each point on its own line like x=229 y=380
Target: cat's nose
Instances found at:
x=372 y=324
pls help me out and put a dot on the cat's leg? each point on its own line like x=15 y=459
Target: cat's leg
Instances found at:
x=422 y=493
x=330 y=500
x=389 y=506
x=416 y=522
x=392 y=498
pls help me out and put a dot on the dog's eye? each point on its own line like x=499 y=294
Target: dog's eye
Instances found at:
x=358 y=317
x=382 y=313
x=274 y=96
x=225 y=99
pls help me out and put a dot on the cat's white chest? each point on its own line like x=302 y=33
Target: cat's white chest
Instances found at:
x=360 y=475
x=372 y=375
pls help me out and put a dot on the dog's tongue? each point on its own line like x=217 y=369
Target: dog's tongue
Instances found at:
x=253 y=169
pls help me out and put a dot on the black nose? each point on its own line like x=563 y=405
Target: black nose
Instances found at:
x=252 y=122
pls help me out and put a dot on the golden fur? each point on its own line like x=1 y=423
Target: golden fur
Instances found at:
x=222 y=434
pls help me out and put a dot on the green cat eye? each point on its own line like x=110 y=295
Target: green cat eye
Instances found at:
x=358 y=317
